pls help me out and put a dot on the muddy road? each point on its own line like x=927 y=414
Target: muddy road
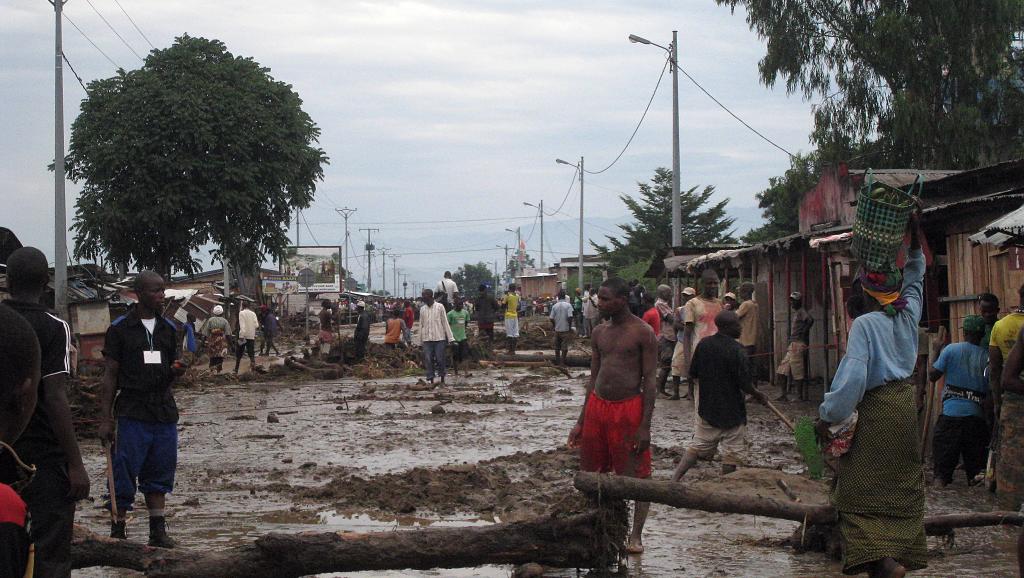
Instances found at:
x=380 y=455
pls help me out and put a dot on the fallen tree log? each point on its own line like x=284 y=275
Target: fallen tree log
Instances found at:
x=587 y=540
x=486 y=363
x=328 y=373
x=570 y=360
x=679 y=496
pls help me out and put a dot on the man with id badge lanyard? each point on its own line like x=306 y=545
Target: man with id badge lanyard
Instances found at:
x=141 y=352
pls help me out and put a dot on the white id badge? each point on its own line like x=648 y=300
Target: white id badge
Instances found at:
x=151 y=357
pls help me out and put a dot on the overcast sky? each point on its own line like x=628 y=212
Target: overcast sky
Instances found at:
x=434 y=111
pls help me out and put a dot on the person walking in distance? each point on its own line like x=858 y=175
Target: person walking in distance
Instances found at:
x=486 y=308
x=326 y=335
x=613 y=432
x=719 y=367
x=793 y=369
x=458 y=320
x=561 y=322
x=140 y=350
x=247 y=324
x=681 y=352
x=409 y=316
x=511 y=303
x=591 y=314
x=446 y=290
x=216 y=329
x=666 y=335
x=435 y=335
x=49 y=441
x=699 y=314
x=271 y=327
x=747 y=313
x=361 y=335
x=577 y=311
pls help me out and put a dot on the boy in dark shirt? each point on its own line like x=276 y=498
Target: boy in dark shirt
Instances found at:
x=720 y=367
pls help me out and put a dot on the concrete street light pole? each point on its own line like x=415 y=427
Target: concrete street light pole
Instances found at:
x=60 y=229
x=579 y=264
x=677 y=231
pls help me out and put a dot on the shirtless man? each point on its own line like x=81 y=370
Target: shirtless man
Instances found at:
x=614 y=428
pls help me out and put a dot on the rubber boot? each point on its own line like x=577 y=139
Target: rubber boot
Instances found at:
x=119 y=530
x=158 y=533
x=784 y=386
x=675 y=387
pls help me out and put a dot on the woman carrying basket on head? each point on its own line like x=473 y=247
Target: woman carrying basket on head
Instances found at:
x=879 y=489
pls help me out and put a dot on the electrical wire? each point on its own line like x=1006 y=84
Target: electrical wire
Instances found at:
x=303 y=217
x=731 y=113
x=568 y=192
x=116 y=33
x=65 y=57
x=72 y=23
x=637 y=129
x=137 y=29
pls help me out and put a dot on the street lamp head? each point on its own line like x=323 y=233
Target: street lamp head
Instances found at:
x=638 y=40
x=561 y=162
x=529 y=204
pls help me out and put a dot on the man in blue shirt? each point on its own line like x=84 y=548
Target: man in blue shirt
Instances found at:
x=962 y=431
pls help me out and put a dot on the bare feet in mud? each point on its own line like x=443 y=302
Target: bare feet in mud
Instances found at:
x=888 y=568
x=635 y=546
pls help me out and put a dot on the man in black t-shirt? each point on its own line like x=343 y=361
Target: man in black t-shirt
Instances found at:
x=720 y=367
x=141 y=351
x=19 y=376
x=49 y=440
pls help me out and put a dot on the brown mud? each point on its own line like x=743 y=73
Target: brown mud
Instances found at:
x=374 y=455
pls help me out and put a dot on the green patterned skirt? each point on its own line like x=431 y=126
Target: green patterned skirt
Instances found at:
x=879 y=490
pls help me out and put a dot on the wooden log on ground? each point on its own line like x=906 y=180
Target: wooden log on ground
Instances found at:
x=485 y=363
x=570 y=360
x=678 y=495
x=332 y=373
x=590 y=539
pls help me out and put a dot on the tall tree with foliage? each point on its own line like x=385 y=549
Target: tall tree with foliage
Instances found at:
x=469 y=277
x=781 y=200
x=703 y=222
x=198 y=146
x=934 y=84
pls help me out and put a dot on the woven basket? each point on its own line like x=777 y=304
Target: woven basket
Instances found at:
x=881 y=223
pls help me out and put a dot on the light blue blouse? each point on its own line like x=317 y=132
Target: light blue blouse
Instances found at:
x=879 y=349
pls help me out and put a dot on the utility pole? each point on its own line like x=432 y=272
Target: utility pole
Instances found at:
x=345 y=212
x=383 y=271
x=405 y=284
x=579 y=281
x=542 y=234
x=60 y=229
x=394 y=271
x=298 y=228
x=677 y=227
x=369 y=258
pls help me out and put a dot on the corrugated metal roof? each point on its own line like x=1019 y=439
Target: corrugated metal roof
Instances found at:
x=1006 y=228
x=904 y=177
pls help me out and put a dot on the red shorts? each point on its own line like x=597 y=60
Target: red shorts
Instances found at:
x=606 y=444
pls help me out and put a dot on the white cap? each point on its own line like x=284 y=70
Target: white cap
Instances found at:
x=361 y=304
x=795 y=295
x=689 y=291
x=218 y=310
x=729 y=295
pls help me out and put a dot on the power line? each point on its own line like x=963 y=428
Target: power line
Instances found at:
x=116 y=33
x=568 y=192
x=72 y=23
x=65 y=57
x=308 y=229
x=731 y=113
x=637 y=129
x=137 y=29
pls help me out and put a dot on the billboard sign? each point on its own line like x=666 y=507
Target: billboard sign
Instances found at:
x=323 y=264
x=279 y=284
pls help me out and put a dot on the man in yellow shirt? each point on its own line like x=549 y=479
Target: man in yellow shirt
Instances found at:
x=511 y=303
x=1003 y=336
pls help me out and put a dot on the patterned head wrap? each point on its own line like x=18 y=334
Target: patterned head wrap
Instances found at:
x=974 y=324
x=885 y=288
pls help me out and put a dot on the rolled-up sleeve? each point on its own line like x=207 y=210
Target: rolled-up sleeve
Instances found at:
x=850 y=381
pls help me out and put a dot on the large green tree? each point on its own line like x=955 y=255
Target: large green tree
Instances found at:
x=198 y=146
x=930 y=84
x=469 y=277
x=703 y=222
x=781 y=200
